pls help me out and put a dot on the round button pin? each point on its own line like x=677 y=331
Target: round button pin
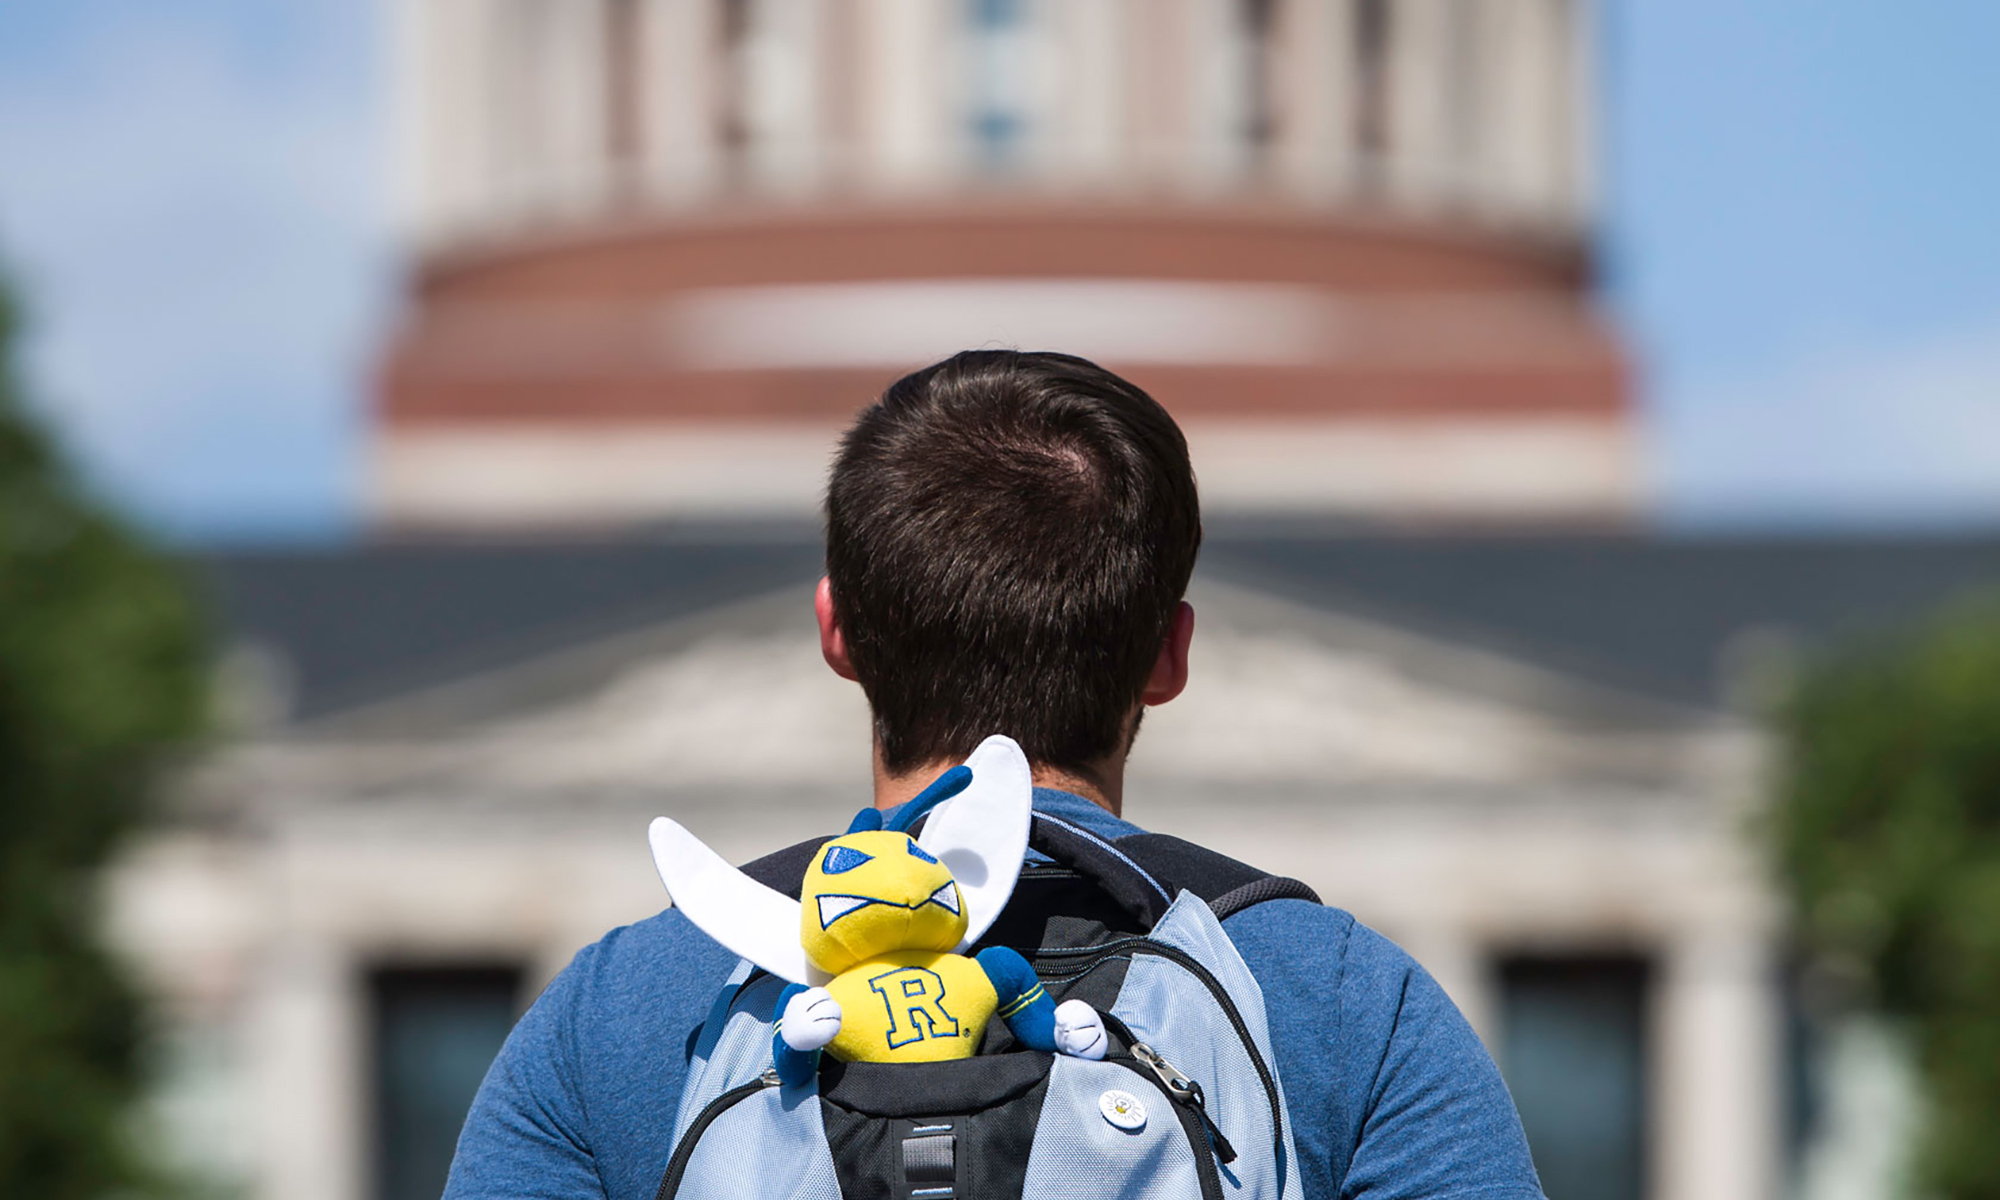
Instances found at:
x=1122 y=1109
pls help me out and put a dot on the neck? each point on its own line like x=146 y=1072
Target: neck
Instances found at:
x=1103 y=784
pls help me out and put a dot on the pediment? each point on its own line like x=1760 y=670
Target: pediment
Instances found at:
x=739 y=702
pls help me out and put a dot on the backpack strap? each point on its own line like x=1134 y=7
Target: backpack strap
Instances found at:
x=785 y=870
x=1257 y=891
x=1105 y=862
x=1227 y=885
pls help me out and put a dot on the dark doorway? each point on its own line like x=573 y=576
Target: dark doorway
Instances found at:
x=435 y=1031
x=1573 y=1049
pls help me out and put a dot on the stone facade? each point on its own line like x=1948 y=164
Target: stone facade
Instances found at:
x=1474 y=807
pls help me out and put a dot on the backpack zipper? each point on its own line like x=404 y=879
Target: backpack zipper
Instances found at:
x=1141 y=945
x=1193 y=1126
x=670 y=1183
x=1185 y=1091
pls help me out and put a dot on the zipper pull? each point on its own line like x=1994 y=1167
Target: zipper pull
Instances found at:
x=1185 y=1090
x=1182 y=1088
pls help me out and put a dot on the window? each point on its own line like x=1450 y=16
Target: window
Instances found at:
x=624 y=87
x=733 y=107
x=436 y=1031
x=1463 y=82
x=1000 y=79
x=1371 y=80
x=1572 y=1045
x=1260 y=107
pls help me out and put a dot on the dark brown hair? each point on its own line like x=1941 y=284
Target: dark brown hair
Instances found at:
x=1008 y=536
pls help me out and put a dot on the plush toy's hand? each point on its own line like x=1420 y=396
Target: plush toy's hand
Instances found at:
x=1079 y=1030
x=812 y=1019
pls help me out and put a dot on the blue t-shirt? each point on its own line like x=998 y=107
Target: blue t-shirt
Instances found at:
x=1391 y=1094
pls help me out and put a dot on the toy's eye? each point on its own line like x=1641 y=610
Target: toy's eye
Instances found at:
x=917 y=851
x=832 y=908
x=840 y=859
x=946 y=897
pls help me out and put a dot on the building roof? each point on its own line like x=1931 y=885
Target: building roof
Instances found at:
x=1662 y=616
x=1659 y=617
x=356 y=625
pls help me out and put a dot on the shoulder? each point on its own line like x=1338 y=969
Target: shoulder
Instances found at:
x=1296 y=939
x=1298 y=936
x=630 y=997
x=640 y=979
x=661 y=946
x=1319 y=960
x=1364 y=986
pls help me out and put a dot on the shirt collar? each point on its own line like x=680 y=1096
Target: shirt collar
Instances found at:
x=1078 y=811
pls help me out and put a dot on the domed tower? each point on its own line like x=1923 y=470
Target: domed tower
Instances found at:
x=661 y=250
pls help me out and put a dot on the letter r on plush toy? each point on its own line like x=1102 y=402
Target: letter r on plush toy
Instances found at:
x=918 y=995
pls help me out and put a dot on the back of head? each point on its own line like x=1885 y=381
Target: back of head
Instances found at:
x=1008 y=537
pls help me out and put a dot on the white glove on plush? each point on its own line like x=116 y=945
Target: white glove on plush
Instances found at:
x=812 y=1019
x=1079 y=1030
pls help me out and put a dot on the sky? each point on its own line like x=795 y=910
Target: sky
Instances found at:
x=1797 y=239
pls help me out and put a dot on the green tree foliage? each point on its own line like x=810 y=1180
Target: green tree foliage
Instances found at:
x=1888 y=831
x=101 y=675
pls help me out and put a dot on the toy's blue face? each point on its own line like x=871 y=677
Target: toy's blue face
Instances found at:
x=870 y=893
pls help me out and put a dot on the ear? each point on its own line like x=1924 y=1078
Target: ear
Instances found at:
x=832 y=644
x=745 y=916
x=982 y=833
x=1170 y=670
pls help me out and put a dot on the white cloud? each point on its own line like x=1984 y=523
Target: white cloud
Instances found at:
x=1852 y=435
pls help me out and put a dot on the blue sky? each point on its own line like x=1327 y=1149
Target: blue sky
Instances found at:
x=1798 y=240
x=1800 y=237
x=193 y=204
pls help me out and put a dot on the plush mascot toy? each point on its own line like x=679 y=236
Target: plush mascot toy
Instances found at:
x=873 y=950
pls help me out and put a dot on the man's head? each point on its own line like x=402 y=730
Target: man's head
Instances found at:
x=1009 y=536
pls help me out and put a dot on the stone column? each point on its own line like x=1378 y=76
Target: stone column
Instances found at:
x=782 y=78
x=1085 y=132
x=1576 y=126
x=912 y=108
x=1716 y=1058
x=677 y=97
x=413 y=110
x=307 y=1052
x=449 y=61
x=1313 y=60
x=1419 y=112
x=1158 y=62
x=575 y=106
x=1214 y=151
x=1528 y=72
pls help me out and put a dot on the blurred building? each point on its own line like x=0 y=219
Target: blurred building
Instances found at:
x=660 y=250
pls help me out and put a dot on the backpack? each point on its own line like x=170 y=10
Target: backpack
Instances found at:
x=1187 y=1103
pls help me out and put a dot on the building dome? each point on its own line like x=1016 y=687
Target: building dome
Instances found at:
x=663 y=249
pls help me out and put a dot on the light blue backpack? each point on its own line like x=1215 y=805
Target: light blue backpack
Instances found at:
x=1187 y=1104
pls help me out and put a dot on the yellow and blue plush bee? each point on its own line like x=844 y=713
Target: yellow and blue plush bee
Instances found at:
x=873 y=948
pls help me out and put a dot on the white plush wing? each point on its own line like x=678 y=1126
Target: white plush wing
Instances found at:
x=982 y=833
x=748 y=918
